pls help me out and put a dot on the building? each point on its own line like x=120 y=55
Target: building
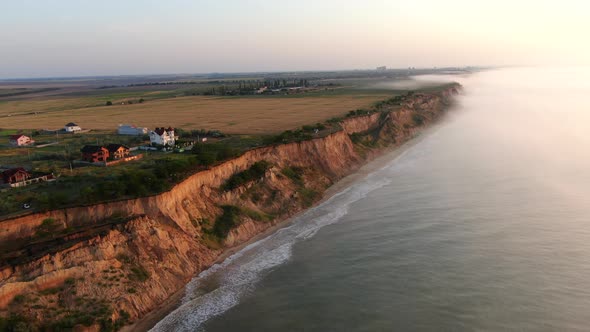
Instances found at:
x=94 y=153
x=132 y=130
x=15 y=175
x=20 y=140
x=162 y=136
x=118 y=151
x=262 y=90
x=382 y=68
x=72 y=128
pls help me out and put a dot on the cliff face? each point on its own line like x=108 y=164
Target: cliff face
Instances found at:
x=119 y=271
x=333 y=155
x=360 y=124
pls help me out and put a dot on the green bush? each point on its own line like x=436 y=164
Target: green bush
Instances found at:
x=256 y=215
x=139 y=273
x=16 y=323
x=209 y=153
x=19 y=299
x=293 y=173
x=49 y=227
x=288 y=136
x=123 y=258
x=356 y=137
x=308 y=196
x=255 y=171
x=226 y=221
x=418 y=119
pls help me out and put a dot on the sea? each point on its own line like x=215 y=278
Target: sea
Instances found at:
x=481 y=224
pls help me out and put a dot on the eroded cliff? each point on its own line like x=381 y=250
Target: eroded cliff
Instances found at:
x=125 y=258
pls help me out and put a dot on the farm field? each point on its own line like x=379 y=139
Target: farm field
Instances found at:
x=234 y=115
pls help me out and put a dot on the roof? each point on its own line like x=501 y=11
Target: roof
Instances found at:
x=13 y=171
x=71 y=124
x=115 y=147
x=92 y=148
x=15 y=137
x=160 y=131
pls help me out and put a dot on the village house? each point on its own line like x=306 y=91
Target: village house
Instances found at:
x=132 y=130
x=94 y=153
x=72 y=127
x=261 y=90
x=162 y=136
x=15 y=175
x=19 y=177
x=20 y=140
x=118 y=151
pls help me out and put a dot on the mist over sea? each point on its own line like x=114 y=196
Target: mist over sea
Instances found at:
x=484 y=224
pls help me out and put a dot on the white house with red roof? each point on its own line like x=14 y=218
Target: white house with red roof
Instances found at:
x=20 y=140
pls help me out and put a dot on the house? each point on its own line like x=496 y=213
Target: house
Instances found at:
x=15 y=175
x=118 y=151
x=162 y=136
x=261 y=90
x=132 y=130
x=94 y=153
x=72 y=128
x=20 y=140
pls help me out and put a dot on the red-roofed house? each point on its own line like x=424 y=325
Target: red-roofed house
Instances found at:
x=20 y=140
x=15 y=175
x=94 y=153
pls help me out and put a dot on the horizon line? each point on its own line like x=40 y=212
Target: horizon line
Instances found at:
x=8 y=79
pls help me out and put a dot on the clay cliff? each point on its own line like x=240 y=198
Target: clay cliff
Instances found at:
x=106 y=265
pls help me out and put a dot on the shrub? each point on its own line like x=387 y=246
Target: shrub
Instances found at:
x=209 y=153
x=356 y=137
x=19 y=299
x=308 y=196
x=418 y=119
x=255 y=171
x=288 y=136
x=226 y=221
x=293 y=173
x=256 y=215
x=139 y=273
x=123 y=258
x=48 y=227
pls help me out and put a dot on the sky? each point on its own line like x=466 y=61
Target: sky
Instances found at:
x=44 y=38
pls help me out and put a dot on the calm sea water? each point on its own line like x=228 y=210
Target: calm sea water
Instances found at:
x=482 y=225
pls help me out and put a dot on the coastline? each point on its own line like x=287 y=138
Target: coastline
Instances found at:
x=159 y=241
x=384 y=157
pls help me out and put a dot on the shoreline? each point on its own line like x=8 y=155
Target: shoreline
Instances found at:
x=387 y=155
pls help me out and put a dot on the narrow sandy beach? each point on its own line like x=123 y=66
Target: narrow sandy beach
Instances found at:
x=387 y=156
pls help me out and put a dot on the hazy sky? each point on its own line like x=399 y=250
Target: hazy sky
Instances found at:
x=41 y=38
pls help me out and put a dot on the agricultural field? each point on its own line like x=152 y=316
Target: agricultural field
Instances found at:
x=234 y=115
x=225 y=102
